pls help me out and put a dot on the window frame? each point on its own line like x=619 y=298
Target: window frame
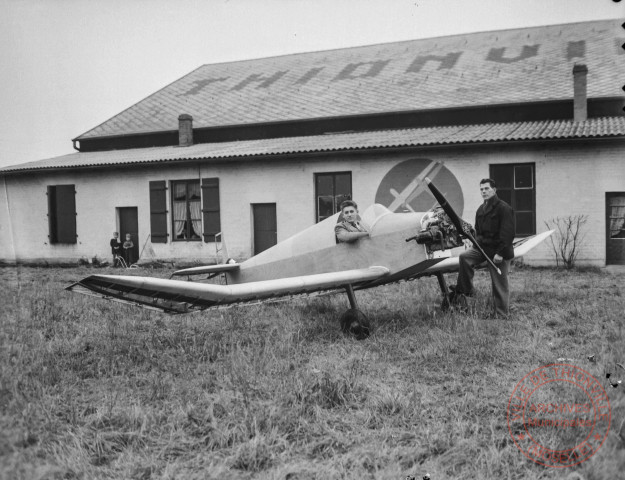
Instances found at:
x=513 y=189
x=336 y=204
x=189 y=219
x=611 y=215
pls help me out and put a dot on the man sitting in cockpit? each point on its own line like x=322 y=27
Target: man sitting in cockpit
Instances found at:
x=350 y=229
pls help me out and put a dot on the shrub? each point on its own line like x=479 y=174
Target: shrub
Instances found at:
x=567 y=239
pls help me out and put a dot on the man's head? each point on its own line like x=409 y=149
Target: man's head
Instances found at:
x=488 y=188
x=349 y=209
x=115 y=234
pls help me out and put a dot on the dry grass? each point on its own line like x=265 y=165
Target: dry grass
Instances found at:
x=91 y=389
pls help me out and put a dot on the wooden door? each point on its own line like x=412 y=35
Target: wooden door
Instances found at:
x=129 y=223
x=265 y=226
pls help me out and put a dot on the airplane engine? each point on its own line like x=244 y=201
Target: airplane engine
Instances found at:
x=438 y=232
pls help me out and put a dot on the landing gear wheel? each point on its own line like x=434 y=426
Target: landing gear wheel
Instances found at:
x=354 y=322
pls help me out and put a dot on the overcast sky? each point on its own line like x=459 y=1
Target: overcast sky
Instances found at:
x=69 y=65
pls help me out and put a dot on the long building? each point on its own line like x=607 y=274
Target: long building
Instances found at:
x=244 y=154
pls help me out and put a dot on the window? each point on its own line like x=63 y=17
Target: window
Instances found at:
x=515 y=186
x=331 y=189
x=62 y=213
x=187 y=210
x=195 y=210
x=616 y=216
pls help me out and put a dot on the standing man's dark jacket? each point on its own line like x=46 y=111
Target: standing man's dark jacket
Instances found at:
x=494 y=225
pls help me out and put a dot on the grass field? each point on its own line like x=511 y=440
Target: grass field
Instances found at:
x=91 y=389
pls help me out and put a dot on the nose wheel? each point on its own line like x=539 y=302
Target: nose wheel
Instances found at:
x=450 y=297
x=353 y=321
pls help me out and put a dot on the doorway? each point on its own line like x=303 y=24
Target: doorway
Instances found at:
x=129 y=223
x=265 y=226
x=615 y=231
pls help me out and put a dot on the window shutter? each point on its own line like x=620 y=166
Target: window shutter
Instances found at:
x=51 y=193
x=210 y=208
x=62 y=213
x=158 y=211
x=66 y=213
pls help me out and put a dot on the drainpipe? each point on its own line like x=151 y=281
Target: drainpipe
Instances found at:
x=10 y=220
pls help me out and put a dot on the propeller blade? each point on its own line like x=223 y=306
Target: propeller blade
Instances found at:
x=455 y=219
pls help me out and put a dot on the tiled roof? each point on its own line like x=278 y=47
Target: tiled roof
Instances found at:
x=454 y=135
x=509 y=66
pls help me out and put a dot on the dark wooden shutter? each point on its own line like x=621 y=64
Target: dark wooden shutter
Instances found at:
x=52 y=213
x=62 y=213
x=210 y=208
x=158 y=211
x=66 y=213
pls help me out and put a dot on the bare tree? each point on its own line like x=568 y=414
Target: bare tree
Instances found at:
x=568 y=238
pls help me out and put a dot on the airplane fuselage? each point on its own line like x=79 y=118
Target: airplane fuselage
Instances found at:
x=315 y=250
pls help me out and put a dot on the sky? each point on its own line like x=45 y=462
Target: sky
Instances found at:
x=68 y=65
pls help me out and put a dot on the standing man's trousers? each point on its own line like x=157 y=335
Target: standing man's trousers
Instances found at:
x=501 y=293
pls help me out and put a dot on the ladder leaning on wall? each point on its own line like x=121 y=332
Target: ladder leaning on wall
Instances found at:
x=220 y=249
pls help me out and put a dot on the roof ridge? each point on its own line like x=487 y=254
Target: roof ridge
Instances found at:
x=395 y=42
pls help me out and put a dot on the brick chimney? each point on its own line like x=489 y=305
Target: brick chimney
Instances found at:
x=185 y=130
x=580 y=102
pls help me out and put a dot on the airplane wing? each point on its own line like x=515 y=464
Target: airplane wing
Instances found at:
x=178 y=296
x=521 y=247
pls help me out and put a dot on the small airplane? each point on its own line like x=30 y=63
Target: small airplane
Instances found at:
x=401 y=246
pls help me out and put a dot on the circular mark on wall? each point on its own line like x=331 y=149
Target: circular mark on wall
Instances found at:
x=403 y=188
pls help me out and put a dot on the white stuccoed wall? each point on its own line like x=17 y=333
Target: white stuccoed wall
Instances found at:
x=7 y=238
x=571 y=178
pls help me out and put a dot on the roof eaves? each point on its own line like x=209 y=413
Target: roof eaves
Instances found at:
x=606 y=127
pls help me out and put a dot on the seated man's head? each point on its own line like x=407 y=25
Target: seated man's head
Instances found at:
x=349 y=209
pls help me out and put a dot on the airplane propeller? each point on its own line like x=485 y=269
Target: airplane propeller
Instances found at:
x=455 y=219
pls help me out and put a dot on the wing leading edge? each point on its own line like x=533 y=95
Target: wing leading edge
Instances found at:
x=177 y=296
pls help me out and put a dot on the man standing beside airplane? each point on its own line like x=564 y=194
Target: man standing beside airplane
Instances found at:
x=350 y=229
x=494 y=226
